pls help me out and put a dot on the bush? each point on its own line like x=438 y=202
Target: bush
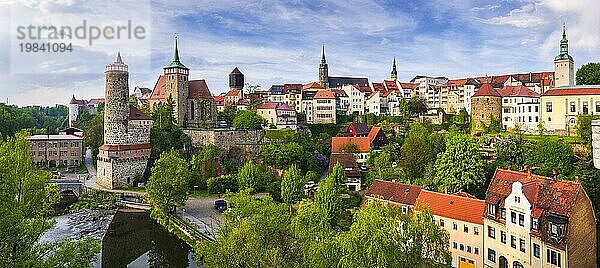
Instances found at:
x=221 y=184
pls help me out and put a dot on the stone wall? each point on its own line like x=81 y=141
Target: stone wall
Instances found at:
x=138 y=131
x=482 y=110
x=116 y=110
x=226 y=139
x=596 y=142
x=120 y=172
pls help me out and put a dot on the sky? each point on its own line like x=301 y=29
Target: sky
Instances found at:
x=275 y=42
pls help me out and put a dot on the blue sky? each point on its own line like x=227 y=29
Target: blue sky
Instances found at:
x=279 y=41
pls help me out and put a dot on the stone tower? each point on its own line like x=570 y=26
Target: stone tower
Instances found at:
x=116 y=109
x=486 y=104
x=176 y=86
x=323 y=70
x=394 y=74
x=564 y=73
x=236 y=79
x=124 y=155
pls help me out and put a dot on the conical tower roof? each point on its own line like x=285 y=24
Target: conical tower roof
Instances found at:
x=486 y=90
x=175 y=62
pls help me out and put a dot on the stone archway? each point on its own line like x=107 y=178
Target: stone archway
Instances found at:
x=503 y=262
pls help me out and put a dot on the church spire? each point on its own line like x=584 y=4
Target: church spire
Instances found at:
x=564 y=46
x=323 y=60
x=394 y=74
x=323 y=70
x=175 y=62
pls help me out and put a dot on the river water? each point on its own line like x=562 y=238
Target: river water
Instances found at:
x=130 y=238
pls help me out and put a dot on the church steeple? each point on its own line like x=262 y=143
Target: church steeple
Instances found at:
x=175 y=62
x=394 y=74
x=564 y=47
x=323 y=70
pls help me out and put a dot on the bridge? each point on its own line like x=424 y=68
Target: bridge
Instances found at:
x=134 y=205
x=69 y=186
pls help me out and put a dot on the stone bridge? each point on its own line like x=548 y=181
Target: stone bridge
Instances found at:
x=69 y=186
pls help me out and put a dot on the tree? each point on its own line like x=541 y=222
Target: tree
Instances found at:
x=328 y=198
x=27 y=208
x=338 y=175
x=283 y=155
x=204 y=165
x=588 y=74
x=375 y=239
x=168 y=184
x=222 y=184
x=349 y=147
x=254 y=177
x=548 y=155
x=292 y=186
x=256 y=233
x=584 y=126
x=246 y=119
x=420 y=149
x=228 y=114
x=541 y=128
x=510 y=152
x=382 y=169
x=418 y=105
x=94 y=134
x=460 y=167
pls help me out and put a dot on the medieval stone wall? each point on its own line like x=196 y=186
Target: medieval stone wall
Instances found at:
x=226 y=139
x=119 y=172
x=483 y=108
x=138 y=131
x=596 y=142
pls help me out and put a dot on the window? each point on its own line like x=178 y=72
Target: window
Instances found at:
x=491 y=232
x=536 y=108
x=522 y=245
x=491 y=255
x=476 y=251
x=556 y=230
x=404 y=210
x=553 y=257
x=503 y=213
x=513 y=217
x=521 y=220
x=503 y=237
x=461 y=247
x=534 y=224
x=513 y=241
x=536 y=250
x=476 y=230
x=465 y=228
x=492 y=209
x=598 y=107
x=454 y=226
x=454 y=245
x=549 y=107
x=442 y=222
x=469 y=249
x=572 y=107
x=529 y=108
x=585 y=107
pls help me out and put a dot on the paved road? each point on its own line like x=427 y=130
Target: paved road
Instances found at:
x=200 y=211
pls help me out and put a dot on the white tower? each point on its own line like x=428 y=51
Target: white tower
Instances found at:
x=564 y=73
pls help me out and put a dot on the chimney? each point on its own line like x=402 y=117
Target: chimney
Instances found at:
x=509 y=168
x=577 y=179
x=446 y=190
x=528 y=170
x=554 y=174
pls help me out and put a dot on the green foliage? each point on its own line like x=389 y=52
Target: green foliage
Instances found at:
x=222 y=184
x=246 y=119
x=460 y=166
x=548 y=155
x=281 y=134
x=256 y=233
x=349 y=147
x=511 y=152
x=27 y=206
x=584 y=126
x=228 y=114
x=292 y=186
x=338 y=175
x=382 y=168
x=330 y=129
x=328 y=198
x=204 y=165
x=311 y=176
x=94 y=134
x=419 y=150
x=588 y=74
x=374 y=240
x=589 y=177
x=541 y=128
x=495 y=125
x=254 y=177
x=283 y=155
x=95 y=199
x=36 y=119
x=168 y=184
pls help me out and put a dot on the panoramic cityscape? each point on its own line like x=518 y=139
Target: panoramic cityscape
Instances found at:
x=325 y=134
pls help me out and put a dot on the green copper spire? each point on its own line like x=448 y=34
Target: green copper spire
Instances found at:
x=564 y=47
x=175 y=62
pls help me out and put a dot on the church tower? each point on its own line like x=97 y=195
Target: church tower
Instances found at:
x=176 y=86
x=116 y=109
x=236 y=79
x=394 y=74
x=564 y=73
x=323 y=70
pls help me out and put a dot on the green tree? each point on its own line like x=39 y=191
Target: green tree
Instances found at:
x=588 y=74
x=94 y=134
x=541 y=128
x=548 y=155
x=27 y=208
x=222 y=184
x=328 y=198
x=510 y=152
x=228 y=114
x=254 y=176
x=419 y=150
x=382 y=169
x=374 y=239
x=349 y=147
x=338 y=175
x=292 y=186
x=460 y=167
x=168 y=184
x=283 y=155
x=584 y=126
x=204 y=165
x=256 y=233
x=310 y=176
x=246 y=119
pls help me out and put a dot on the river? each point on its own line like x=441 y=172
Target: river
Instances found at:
x=130 y=238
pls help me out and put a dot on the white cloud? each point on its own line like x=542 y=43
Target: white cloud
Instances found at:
x=526 y=16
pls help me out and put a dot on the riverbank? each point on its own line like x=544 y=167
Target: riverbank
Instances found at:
x=81 y=224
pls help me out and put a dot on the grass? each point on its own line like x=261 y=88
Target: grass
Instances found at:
x=537 y=138
x=287 y=135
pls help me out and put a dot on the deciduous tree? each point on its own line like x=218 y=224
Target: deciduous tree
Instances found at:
x=168 y=184
x=292 y=186
x=588 y=74
x=460 y=167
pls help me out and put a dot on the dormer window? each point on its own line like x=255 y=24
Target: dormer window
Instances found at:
x=492 y=209
x=556 y=230
x=534 y=224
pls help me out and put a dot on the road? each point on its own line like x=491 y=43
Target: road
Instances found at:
x=200 y=211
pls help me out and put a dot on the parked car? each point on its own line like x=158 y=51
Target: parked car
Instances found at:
x=220 y=205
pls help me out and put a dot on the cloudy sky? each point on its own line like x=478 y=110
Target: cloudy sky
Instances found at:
x=280 y=41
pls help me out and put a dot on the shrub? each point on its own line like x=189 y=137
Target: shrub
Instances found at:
x=221 y=184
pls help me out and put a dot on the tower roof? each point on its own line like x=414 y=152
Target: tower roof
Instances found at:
x=564 y=47
x=394 y=72
x=486 y=90
x=175 y=62
x=323 y=60
x=236 y=71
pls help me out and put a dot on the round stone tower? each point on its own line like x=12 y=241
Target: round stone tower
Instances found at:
x=116 y=109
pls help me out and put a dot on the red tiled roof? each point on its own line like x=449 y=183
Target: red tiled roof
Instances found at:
x=452 y=206
x=378 y=86
x=313 y=85
x=76 y=101
x=136 y=114
x=159 y=89
x=566 y=91
x=359 y=128
x=276 y=105
x=233 y=93
x=409 y=85
x=373 y=133
x=287 y=87
x=348 y=162
x=363 y=143
x=96 y=101
x=324 y=94
x=518 y=91
x=126 y=147
x=394 y=192
x=390 y=85
x=486 y=90
x=365 y=89
x=219 y=100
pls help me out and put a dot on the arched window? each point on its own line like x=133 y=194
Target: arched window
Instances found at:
x=517 y=264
